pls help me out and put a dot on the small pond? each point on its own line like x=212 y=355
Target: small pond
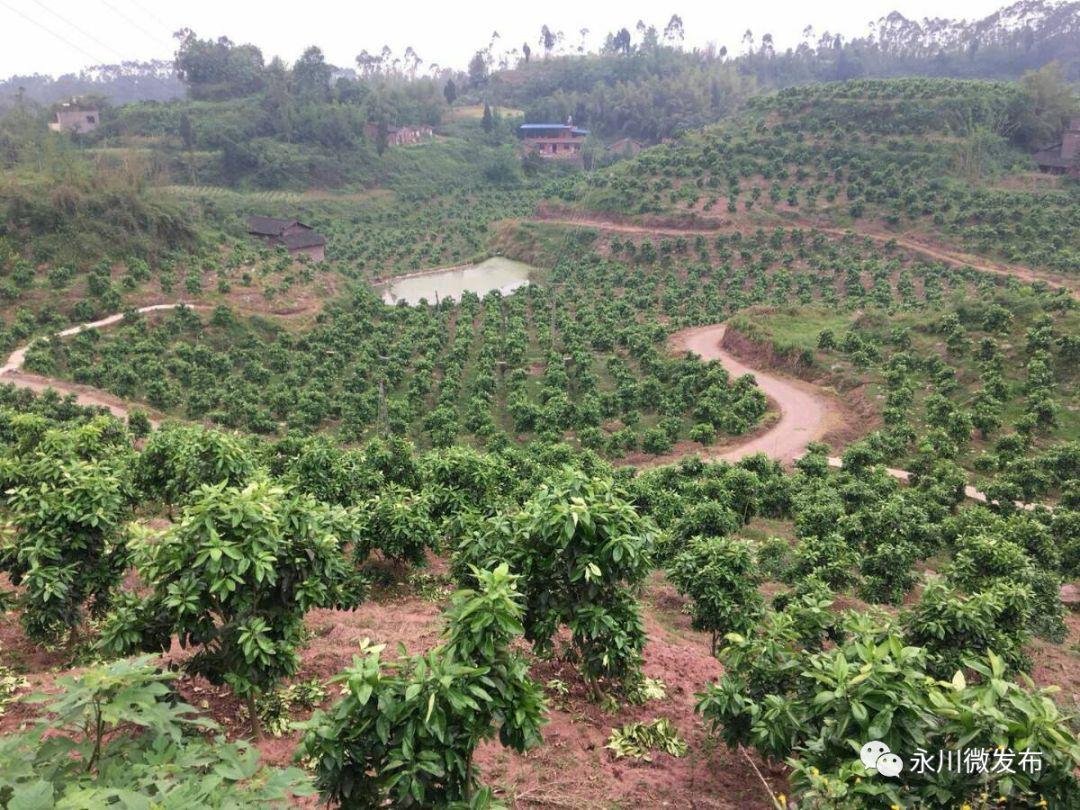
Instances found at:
x=504 y=275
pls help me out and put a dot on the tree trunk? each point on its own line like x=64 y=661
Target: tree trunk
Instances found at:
x=253 y=715
x=468 y=777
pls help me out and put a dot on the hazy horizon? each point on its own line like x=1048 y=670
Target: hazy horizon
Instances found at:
x=63 y=36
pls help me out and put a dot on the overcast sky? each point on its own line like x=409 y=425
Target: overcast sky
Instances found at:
x=59 y=36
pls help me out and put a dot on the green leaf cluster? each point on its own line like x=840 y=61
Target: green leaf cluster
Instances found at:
x=234 y=578
x=816 y=706
x=406 y=731
x=115 y=736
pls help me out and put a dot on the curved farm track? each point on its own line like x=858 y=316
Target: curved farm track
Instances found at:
x=11 y=371
x=918 y=247
x=805 y=412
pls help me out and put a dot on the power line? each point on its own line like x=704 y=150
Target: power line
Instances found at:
x=86 y=34
x=96 y=59
x=251 y=153
x=151 y=15
x=128 y=20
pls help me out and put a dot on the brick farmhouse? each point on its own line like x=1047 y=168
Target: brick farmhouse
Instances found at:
x=74 y=121
x=294 y=236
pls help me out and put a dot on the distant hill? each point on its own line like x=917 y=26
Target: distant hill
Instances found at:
x=118 y=84
x=944 y=157
x=652 y=88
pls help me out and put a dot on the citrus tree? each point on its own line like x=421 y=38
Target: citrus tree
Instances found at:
x=720 y=577
x=179 y=459
x=233 y=579
x=67 y=500
x=582 y=550
x=817 y=706
x=397 y=523
x=406 y=731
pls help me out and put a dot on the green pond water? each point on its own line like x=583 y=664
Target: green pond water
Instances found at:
x=504 y=275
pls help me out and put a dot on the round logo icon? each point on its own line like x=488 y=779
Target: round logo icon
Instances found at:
x=875 y=755
x=889 y=765
x=871 y=751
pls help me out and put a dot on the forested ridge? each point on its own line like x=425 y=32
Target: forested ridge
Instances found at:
x=643 y=82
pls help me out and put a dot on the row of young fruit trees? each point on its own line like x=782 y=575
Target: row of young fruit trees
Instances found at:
x=548 y=544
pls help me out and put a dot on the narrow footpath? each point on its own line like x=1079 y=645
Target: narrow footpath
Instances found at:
x=11 y=371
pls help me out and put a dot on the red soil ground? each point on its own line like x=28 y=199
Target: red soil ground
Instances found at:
x=572 y=769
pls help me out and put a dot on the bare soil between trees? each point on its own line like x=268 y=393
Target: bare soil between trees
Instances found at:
x=572 y=768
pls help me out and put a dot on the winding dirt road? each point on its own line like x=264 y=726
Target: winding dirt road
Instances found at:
x=11 y=371
x=806 y=413
x=932 y=252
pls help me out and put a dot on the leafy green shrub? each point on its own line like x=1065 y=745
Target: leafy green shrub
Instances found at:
x=67 y=545
x=703 y=433
x=395 y=522
x=116 y=736
x=981 y=561
x=719 y=575
x=828 y=558
x=462 y=478
x=819 y=706
x=818 y=508
x=888 y=572
x=484 y=541
x=394 y=459
x=318 y=467
x=952 y=626
x=582 y=550
x=1065 y=529
x=139 y=423
x=407 y=731
x=234 y=578
x=808 y=610
x=655 y=441
x=769 y=492
x=709 y=518
x=178 y=459
x=814 y=463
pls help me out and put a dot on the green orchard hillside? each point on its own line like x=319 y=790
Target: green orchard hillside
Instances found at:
x=943 y=160
x=483 y=552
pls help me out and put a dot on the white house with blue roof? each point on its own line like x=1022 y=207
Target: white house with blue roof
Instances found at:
x=554 y=140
